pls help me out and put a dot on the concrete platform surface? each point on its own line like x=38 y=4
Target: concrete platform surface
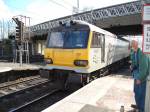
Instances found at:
x=105 y=94
x=5 y=69
x=16 y=66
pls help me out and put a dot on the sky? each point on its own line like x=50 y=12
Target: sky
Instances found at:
x=44 y=10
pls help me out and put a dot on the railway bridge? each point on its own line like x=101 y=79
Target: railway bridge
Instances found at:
x=119 y=19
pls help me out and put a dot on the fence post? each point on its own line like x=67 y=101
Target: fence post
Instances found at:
x=147 y=98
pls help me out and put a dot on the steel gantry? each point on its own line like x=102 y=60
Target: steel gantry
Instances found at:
x=94 y=15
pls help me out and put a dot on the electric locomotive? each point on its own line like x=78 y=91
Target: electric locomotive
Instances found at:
x=80 y=48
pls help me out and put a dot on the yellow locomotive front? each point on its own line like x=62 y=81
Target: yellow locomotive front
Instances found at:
x=68 y=47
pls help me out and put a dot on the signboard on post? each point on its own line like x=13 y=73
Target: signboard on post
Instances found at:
x=146 y=48
x=146 y=38
x=146 y=13
x=146 y=29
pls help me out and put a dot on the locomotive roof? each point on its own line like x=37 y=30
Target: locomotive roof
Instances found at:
x=95 y=28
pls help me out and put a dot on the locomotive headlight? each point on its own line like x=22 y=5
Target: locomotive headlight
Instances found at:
x=48 y=61
x=82 y=63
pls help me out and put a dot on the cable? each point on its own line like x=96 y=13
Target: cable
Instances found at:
x=36 y=14
x=69 y=3
x=60 y=4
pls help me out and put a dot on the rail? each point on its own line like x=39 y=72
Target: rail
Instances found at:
x=21 y=80
x=19 y=86
x=34 y=101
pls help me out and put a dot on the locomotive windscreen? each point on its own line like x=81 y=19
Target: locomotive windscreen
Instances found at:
x=68 y=39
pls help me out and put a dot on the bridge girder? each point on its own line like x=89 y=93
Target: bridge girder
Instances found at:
x=99 y=16
x=146 y=1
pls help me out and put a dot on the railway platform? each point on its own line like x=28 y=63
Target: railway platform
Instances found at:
x=106 y=94
x=5 y=69
x=13 y=71
x=16 y=66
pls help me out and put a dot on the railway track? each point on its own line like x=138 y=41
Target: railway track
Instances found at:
x=37 y=100
x=12 y=87
x=25 y=93
x=16 y=95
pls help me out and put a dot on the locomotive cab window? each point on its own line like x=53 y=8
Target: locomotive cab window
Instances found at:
x=76 y=39
x=55 y=39
x=68 y=39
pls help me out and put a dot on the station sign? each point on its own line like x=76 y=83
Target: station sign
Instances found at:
x=146 y=29
x=146 y=38
x=146 y=13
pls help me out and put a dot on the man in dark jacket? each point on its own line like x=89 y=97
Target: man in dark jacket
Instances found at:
x=139 y=67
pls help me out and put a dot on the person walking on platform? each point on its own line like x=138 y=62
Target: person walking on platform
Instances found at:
x=139 y=68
